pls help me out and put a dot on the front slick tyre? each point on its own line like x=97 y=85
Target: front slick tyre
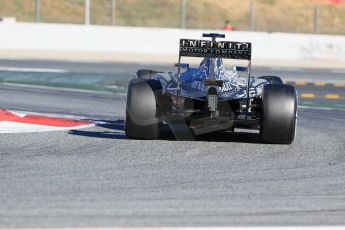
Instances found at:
x=141 y=111
x=279 y=111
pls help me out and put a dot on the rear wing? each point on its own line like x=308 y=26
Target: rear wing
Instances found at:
x=214 y=49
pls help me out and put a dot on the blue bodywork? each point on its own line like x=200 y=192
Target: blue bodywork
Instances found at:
x=192 y=81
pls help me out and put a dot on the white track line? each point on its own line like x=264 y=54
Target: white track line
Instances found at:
x=35 y=70
x=58 y=115
x=15 y=127
x=319 y=108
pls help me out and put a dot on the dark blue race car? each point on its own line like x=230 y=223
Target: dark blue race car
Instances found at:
x=211 y=98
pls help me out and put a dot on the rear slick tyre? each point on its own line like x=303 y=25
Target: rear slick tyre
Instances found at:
x=141 y=110
x=279 y=113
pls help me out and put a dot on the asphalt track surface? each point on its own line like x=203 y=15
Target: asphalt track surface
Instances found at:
x=326 y=75
x=96 y=177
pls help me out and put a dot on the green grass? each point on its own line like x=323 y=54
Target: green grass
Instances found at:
x=271 y=15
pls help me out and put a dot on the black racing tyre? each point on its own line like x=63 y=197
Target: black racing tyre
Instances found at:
x=146 y=73
x=272 y=79
x=141 y=110
x=279 y=113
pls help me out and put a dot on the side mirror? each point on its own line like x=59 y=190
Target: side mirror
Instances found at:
x=182 y=65
x=241 y=69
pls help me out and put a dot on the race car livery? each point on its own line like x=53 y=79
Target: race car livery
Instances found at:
x=211 y=97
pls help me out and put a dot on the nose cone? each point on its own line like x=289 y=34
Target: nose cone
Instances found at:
x=213 y=65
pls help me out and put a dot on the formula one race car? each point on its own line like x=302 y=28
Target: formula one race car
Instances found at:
x=211 y=98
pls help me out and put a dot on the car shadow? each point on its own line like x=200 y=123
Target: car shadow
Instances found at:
x=115 y=130
x=239 y=137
